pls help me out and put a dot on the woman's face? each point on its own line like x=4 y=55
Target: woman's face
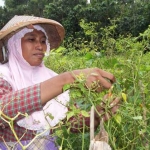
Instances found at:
x=33 y=47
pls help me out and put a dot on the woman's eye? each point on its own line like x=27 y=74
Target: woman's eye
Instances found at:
x=43 y=41
x=31 y=40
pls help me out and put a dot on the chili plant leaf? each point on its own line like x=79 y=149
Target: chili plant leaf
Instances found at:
x=117 y=118
x=66 y=87
x=70 y=114
x=85 y=113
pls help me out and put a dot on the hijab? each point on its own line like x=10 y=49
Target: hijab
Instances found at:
x=20 y=74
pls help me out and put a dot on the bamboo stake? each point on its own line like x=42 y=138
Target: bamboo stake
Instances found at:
x=100 y=141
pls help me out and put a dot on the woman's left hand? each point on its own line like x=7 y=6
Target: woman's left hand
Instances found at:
x=107 y=108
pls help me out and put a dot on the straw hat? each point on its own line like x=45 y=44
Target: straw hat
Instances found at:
x=54 y=30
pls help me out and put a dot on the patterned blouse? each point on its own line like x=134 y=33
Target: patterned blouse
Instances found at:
x=24 y=101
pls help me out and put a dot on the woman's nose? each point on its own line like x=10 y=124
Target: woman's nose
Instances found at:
x=39 y=45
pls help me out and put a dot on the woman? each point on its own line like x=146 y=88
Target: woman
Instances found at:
x=27 y=86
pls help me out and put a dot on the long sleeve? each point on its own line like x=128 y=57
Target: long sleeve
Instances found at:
x=24 y=101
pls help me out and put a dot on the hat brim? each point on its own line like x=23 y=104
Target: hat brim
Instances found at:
x=54 y=30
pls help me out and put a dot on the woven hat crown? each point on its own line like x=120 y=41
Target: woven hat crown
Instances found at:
x=54 y=30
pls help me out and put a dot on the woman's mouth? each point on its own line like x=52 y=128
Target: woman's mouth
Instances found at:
x=39 y=55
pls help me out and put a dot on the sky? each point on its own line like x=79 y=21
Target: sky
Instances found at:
x=1 y=3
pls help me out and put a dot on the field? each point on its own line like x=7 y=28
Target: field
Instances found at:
x=129 y=129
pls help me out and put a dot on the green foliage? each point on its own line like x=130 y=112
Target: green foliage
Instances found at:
x=145 y=39
x=134 y=17
x=130 y=127
x=66 y=12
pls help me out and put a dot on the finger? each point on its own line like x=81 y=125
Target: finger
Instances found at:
x=108 y=99
x=104 y=79
x=99 y=111
x=107 y=75
x=106 y=117
x=103 y=103
x=115 y=102
x=115 y=109
x=106 y=96
x=104 y=83
x=100 y=88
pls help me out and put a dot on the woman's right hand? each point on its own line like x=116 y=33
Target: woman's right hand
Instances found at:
x=94 y=77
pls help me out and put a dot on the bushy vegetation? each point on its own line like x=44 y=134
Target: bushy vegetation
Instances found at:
x=129 y=129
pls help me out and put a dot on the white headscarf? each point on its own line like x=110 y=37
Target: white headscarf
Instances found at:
x=20 y=74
